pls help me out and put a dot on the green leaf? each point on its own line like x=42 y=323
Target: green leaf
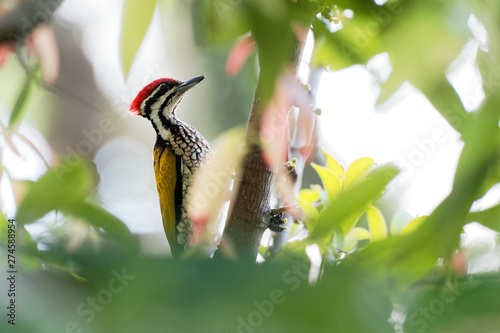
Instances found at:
x=219 y=22
x=263 y=251
x=271 y=27
x=349 y=223
x=310 y=212
x=293 y=250
x=470 y=299
x=19 y=109
x=354 y=236
x=339 y=238
x=100 y=218
x=272 y=24
x=376 y=29
x=398 y=222
x=408 y=258
x=376 y=223
x=331 y=182
x=309 y=195
x=333 y=165
x=3 y=227
x=413 y=225
x=353 y=201
x=435 y=34
x=490 y=217
x=357 y=170
x=137 y=15
x=481 y=136
x=61 y=188
x=414 y=62
x=344 y=47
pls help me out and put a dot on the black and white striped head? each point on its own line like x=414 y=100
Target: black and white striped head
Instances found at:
x=157 y=101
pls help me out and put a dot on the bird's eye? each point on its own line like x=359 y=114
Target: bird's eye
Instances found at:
x=164 y=88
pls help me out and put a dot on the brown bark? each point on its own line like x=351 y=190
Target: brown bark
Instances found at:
x=250 y=211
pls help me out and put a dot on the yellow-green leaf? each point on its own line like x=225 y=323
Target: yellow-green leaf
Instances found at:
x=399 y=220
x=78 y=278
x=310 y=212
x=333 y=165
x=358 y=169
x=331 y=183
x=413 y=225
x=262 y=250
x=137 y=16
x=352 y=201
x=376 y=224
x=322 y=194
x=309 y=195
x=3 y=227
x=352 y=238
x=350 y=222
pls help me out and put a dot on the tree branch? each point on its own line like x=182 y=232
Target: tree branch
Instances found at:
x=283 y=209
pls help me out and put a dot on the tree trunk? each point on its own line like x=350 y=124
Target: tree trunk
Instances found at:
x=250 y=212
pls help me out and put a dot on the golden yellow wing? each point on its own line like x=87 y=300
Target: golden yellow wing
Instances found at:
x=166 y=179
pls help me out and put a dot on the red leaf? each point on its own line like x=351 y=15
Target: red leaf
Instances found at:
x=459 y=263
x=212 y=186
x=198 y=229
x=45 y=47
x=239 y=54
x=5 y=50
x=273 y=128
x=274 y=124
x=305 y=136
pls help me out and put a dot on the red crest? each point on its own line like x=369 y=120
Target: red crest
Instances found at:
x=135 y=106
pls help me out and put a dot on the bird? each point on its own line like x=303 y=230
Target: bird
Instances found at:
x=178 y=153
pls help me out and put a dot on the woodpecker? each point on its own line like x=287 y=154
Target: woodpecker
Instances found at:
x=178 y=153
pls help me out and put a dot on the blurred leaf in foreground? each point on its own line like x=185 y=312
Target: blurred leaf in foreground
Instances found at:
x=19 y=108
x=489 y=217
x=406 y=259
x=61 y=188
x=137 y=15
x=101 y=219
x=458 y=306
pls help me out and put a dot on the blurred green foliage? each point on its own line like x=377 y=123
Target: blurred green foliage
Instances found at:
x=404 y=281
x=20 y=107
x=137 y=16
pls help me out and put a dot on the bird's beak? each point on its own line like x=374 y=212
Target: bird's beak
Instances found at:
x=188 y=84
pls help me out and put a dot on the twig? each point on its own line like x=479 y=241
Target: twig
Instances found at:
x=283 y=209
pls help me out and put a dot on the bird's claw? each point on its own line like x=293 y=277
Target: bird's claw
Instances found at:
x=276 y=222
